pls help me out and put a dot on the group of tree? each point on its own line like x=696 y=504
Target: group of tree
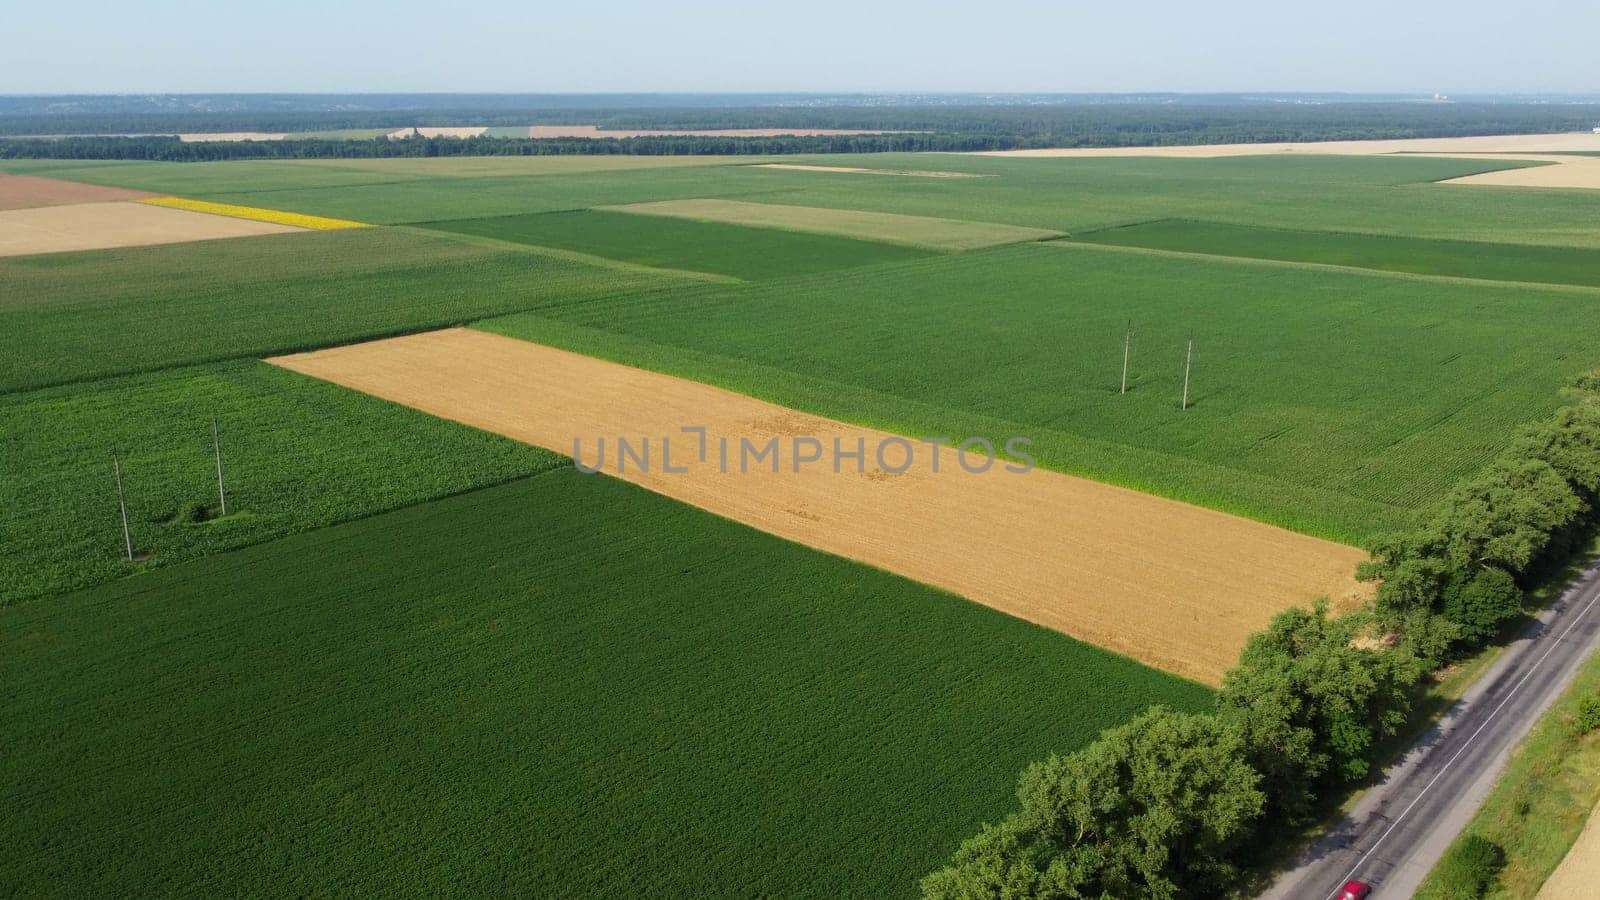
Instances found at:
x=169 y=148
x=1074 y=122
x=1453 y=584
x=1175 y=805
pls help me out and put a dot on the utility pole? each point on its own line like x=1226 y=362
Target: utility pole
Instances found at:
x=122 y=505
x=1127 y=343
x=1188 y=362
x=216 y=444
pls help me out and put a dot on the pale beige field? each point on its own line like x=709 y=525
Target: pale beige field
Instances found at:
x=96 y=226
x=1509 y=143
x=32 y=191
x=852 y=170
x=1563 y=172
x=195 y=138
x=1173 y=585
x=493 y=166
x=1578 y=876
x=433 y=131
x=594 y=131
x=916 y=231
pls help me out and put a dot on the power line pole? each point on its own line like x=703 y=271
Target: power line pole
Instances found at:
x=122 y=505
x=216 y=444
x=1127 y=343
x=1188 y=362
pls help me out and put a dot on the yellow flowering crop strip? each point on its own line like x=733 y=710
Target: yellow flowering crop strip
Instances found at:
x=298 y=220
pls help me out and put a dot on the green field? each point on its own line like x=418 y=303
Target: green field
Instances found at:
x=419 y=658
x=564 y=686
x=298 y=454
x=1366 y=195
x=1335 y=403
x=912 y=231
x=1463 y=259
x=741 y=252
x=71 y=316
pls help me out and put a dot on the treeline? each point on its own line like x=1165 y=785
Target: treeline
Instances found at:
x=1176 y=805
x=1124 y=124
x=957 y=127
x=170 y=149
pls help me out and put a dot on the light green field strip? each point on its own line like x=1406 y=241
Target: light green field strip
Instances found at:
x=915 y=231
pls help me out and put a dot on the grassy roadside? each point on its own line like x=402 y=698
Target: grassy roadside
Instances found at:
x=1543 y=799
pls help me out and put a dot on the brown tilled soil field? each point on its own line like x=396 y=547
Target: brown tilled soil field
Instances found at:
x=97 y=226
x=1172 y=585
x=32 y=191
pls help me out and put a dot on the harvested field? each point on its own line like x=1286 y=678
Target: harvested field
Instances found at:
x=1579 y=872
x=1172 y=585
x=34 y=191
x=1564 y=172
x=435 y=132
x=1504 y=143
x=853 y=170
x=594 y=131
x=915 y=231
x=96 y=226
x=232 y=136
x=256 y=214
x=501 y=166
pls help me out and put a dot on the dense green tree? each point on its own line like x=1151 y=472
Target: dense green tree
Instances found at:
x=1507 y=518
x=1311 y=703
x=1570 y=443
x=1153 y=808
x=1481 y=603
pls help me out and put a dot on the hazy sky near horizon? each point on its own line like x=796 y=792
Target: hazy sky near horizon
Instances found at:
x=1465 y=46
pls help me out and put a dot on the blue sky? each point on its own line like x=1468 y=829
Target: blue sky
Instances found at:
x=1467 y=46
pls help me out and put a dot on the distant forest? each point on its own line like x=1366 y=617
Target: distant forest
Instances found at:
x=945 y=127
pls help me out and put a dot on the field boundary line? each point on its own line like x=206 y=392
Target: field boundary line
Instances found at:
x=1331 y=267
x=559 y=253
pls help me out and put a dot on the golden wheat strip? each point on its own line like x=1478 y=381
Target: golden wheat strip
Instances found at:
x=276 y=216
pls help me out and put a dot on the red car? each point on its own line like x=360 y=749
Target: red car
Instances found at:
x=1355 y=890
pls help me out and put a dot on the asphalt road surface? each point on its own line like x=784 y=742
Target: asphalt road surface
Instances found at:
x=1403 y=825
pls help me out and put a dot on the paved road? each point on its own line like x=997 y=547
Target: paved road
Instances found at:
x=1403 y=825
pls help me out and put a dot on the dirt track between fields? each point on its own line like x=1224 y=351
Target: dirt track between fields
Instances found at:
x=34 y=191
x=99 y=226
x=1173 y=585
